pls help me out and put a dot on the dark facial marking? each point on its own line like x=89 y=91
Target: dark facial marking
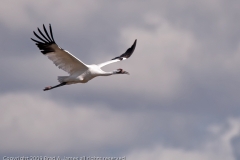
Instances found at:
x=119 y=70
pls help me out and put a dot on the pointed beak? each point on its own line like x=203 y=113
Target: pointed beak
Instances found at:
x=125 y=72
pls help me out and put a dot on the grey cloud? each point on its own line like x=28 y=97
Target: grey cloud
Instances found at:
x=33 y=124
x=184 y=70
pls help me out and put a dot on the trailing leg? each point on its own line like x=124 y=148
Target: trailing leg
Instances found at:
x=50 y=87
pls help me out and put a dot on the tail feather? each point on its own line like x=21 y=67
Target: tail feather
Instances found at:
x=62 y=78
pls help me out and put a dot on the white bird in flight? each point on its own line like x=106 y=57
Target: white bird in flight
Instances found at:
x=79 y=72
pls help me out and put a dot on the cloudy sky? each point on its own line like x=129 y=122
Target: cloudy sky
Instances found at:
x=181 y=100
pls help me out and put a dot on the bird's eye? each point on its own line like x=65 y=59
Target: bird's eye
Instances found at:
x=119 y=70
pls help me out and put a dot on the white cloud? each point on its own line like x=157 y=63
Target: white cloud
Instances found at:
x=218 y=147
x=160 y=57
x=34 y=124
x=24 y=14
x=164 y=153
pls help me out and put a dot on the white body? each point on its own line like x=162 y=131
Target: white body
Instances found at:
x=83 y=77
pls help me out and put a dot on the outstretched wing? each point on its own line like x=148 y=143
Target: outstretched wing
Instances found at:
x=60 y=57
x=124 y=56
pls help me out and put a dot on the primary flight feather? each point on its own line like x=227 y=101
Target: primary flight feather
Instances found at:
x=79 y=72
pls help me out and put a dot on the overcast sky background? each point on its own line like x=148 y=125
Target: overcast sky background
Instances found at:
x=181 y=100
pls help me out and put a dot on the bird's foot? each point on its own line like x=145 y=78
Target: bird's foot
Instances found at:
x=47 y=88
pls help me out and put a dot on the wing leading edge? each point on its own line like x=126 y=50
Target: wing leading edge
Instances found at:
x=124 y=56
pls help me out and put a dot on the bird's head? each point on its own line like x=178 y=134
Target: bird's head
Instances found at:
x=121 y=71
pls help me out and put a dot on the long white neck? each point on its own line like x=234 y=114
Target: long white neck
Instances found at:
x=107 y=73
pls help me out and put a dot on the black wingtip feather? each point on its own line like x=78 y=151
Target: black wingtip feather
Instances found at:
x=50 y=27
x=40 y=37
x=44 y=36
x=44 y=43
x=128 y=53
x=46 y=32
x=132 y=47
x=35 y=40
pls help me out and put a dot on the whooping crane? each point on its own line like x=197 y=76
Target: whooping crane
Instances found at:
x=79 y=72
